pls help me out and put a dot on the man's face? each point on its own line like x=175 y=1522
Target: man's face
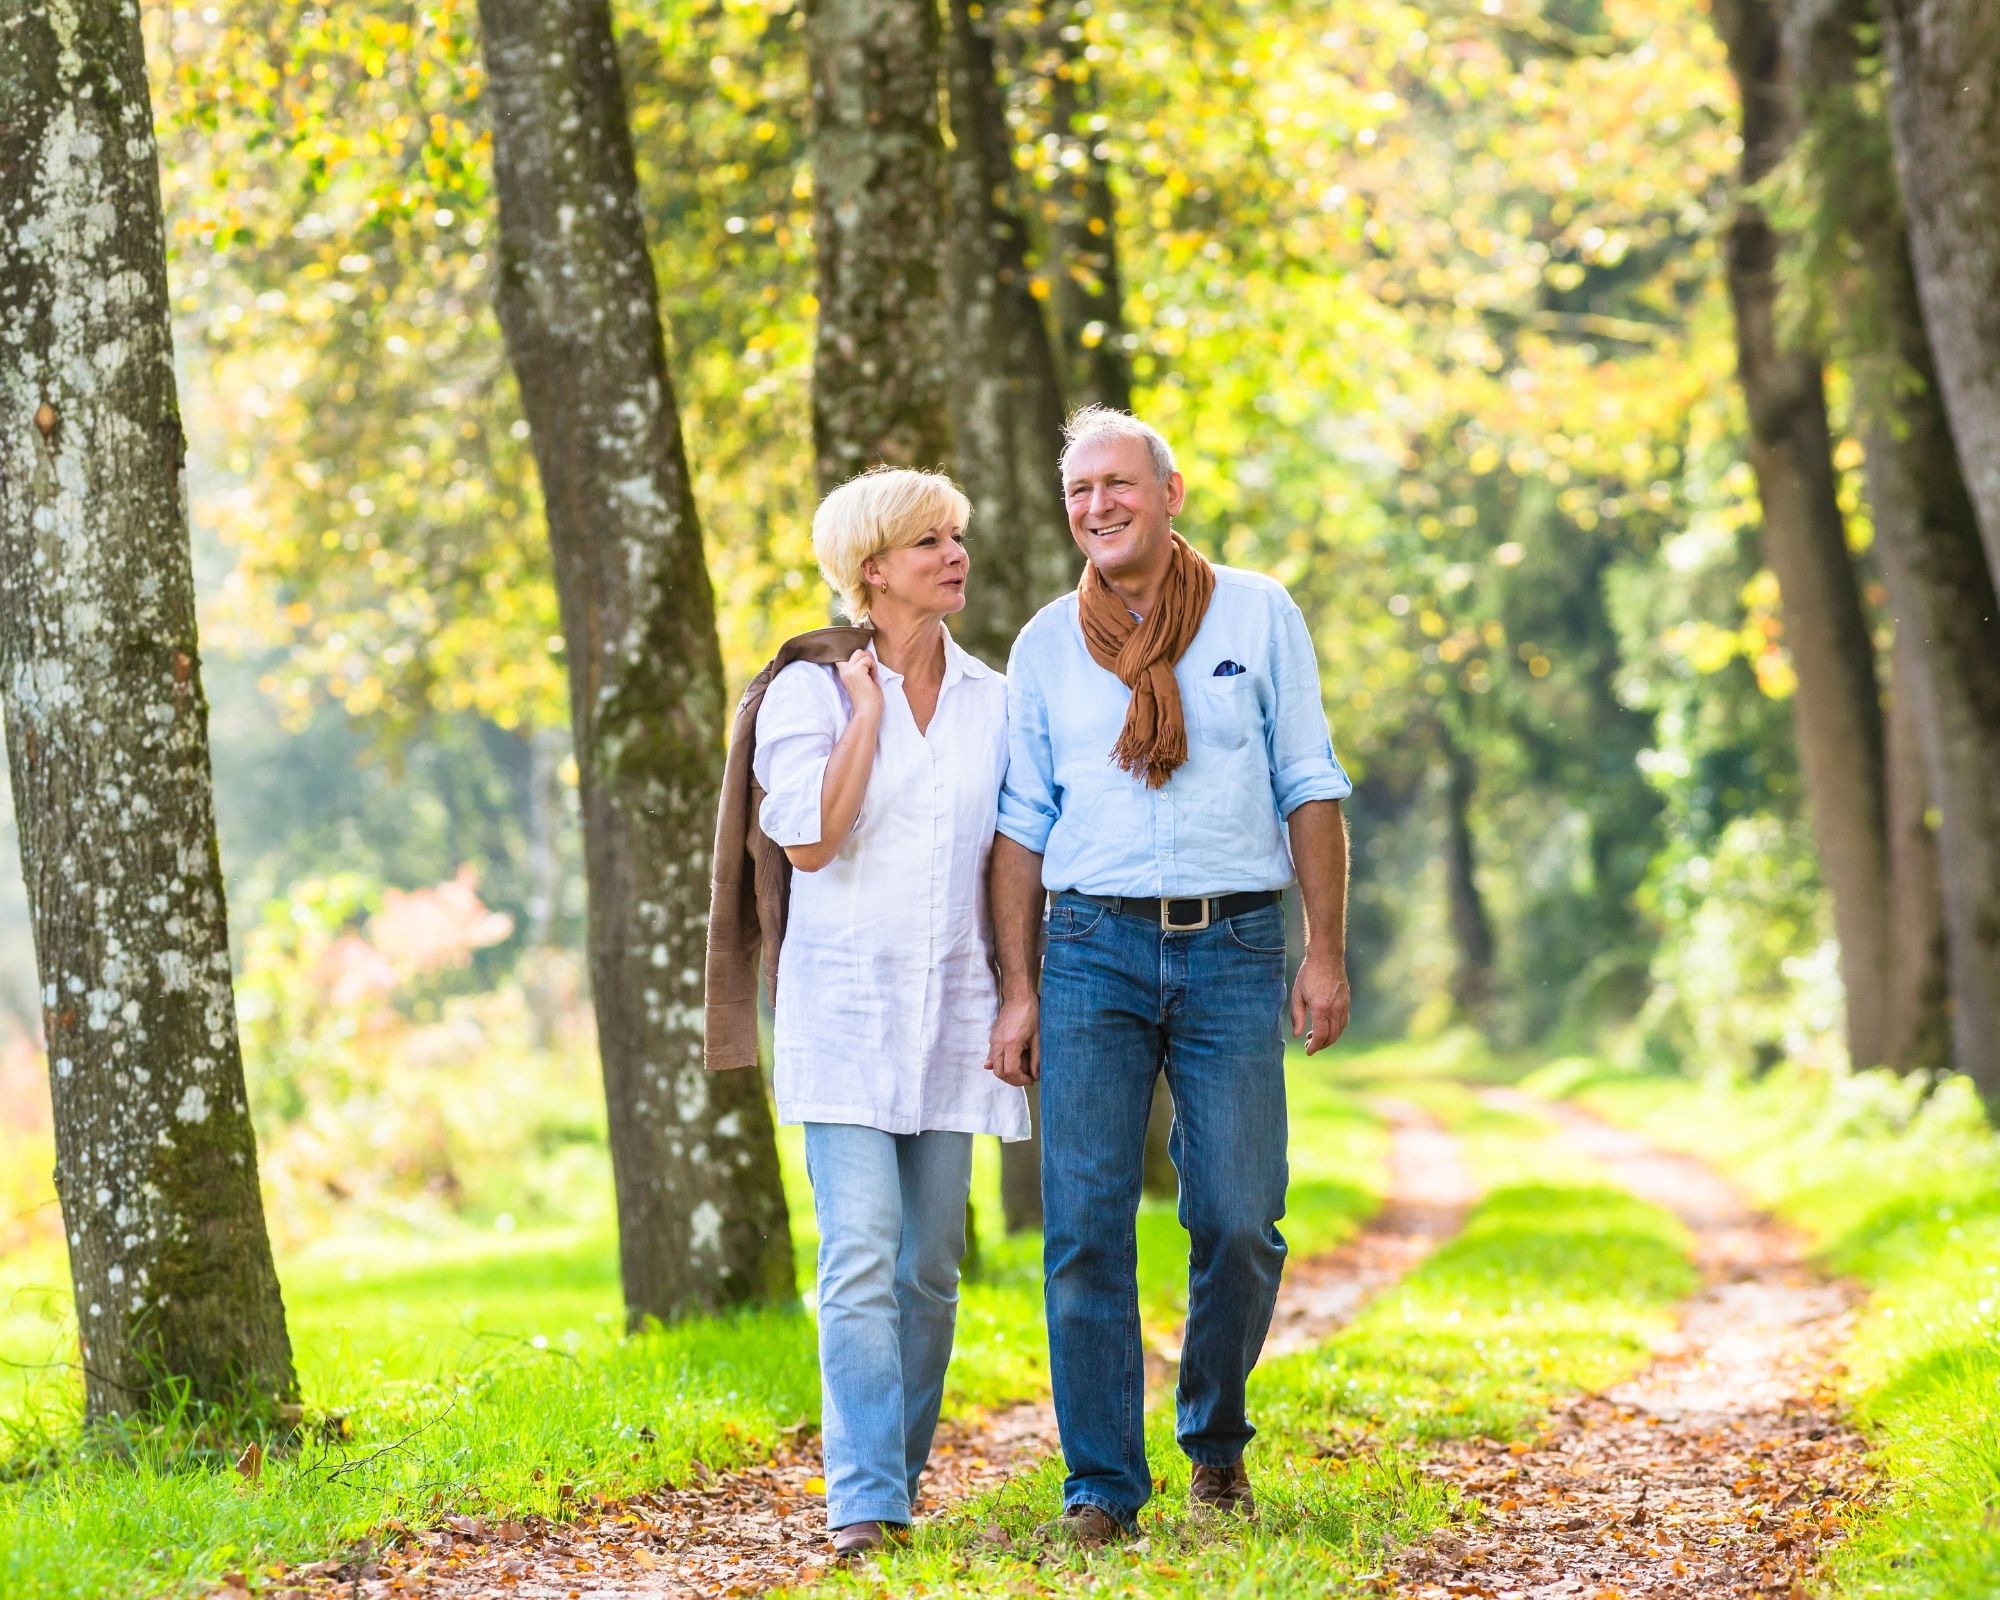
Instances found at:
x=1119 y=510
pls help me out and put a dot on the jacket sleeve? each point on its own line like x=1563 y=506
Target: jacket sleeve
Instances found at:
x=798 y=725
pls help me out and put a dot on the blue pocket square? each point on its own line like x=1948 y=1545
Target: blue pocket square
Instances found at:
x=1228 y=669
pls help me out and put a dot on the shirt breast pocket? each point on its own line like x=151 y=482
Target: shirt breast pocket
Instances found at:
x=1226 y=711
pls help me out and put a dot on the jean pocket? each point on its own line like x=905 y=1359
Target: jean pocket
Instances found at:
x=1261 y=932
x=1073 y=922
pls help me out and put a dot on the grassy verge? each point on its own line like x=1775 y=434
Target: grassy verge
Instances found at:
x=1901 y=1191
x=484 y=1372
x=1557 y=1284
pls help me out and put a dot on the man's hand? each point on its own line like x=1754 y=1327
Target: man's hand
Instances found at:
x=1319 y=852
x=1320 y=1000
x=1014 y=1048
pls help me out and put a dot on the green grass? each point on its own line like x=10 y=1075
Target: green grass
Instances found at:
x=1901 y=1192
x=482 y=1371
x=1557 y=1284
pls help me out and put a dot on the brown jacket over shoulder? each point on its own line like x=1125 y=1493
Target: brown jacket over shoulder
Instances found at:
x=752 y=880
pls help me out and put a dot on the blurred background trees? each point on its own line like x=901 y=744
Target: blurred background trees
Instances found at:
x=1571 y=360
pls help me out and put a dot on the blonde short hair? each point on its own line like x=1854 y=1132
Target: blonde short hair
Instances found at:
x=886 y=508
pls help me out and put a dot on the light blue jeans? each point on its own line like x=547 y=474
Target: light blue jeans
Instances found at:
x=891 y=1210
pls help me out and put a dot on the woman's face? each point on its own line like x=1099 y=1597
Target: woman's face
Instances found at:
x=928 y=576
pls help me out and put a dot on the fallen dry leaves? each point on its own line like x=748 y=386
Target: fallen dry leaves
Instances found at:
x=1717 y=1472
x=742 y=1533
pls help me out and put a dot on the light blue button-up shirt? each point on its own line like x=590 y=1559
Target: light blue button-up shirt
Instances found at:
x=1257 y=750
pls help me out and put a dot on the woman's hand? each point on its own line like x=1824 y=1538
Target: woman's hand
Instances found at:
x=864 y=692
x=845 y=781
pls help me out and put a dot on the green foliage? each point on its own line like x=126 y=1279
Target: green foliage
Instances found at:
x=1429 y=297
x=1746 y=973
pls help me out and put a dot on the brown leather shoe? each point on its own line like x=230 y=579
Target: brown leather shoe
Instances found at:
x=1223 y=1490
x=1083 y=1527
x=858 y=1539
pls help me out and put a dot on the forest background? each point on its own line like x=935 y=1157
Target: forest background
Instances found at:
x=1444 y=307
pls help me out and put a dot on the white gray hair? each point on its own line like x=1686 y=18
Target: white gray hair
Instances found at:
x=1092 y=423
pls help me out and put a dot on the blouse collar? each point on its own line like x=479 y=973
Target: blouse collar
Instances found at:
x=958 y=663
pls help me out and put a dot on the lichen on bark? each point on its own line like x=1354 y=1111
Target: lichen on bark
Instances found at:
x=879 y=388
x=107 y=735
x=701 y=1214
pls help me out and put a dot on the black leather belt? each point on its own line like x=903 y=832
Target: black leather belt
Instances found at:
x=1180 y=916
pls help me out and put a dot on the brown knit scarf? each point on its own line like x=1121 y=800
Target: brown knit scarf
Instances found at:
x=1153 y=742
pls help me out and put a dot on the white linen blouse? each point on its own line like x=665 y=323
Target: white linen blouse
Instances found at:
x=886 y=984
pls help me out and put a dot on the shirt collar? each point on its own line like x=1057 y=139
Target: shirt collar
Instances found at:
x=958 y=663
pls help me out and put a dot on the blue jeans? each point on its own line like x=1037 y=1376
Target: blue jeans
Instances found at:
x=1121 y=1002
x=891 y=1210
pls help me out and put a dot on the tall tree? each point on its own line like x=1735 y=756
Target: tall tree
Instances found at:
x=1941 y=589
x=1006 y=388
x=1944 y=62
x=879 y=387
x=1919 y=1037
x=1089 y=357
x=107 y=742
x=1006 y=414
x=1837 y=710
x=1471 y=929
x=1089 y=293
x=701 y=1213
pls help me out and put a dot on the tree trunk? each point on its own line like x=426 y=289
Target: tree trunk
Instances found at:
x=1944 y=60
x=1006 y=415
x=107 y=741
x=1021 y=1178
x=545 y=748
x=1836 y=707
x=1919 y=1033
x=1941 y=588
x=1090 y=297
x=701 y=1214
x=1943 y=597
x=1471 y=930
x=1157 y=1176
x=879 y=391
x=1948 y=665
x=1006 y=390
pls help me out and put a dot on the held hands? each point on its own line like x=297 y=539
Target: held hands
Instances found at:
x=1014 y=1049
x=857 y=677
x=1320 y=1000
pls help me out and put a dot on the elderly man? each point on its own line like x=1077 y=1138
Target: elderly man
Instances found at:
x=1169 y=772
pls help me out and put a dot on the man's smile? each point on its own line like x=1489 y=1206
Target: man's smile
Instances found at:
x=1116 y=527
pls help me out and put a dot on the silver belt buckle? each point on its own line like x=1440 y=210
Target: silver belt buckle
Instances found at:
x=1168 y=925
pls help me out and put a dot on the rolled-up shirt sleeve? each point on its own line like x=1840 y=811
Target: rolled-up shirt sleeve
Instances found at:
x=1029 y=799
x=798 y=725
x=1303 y=765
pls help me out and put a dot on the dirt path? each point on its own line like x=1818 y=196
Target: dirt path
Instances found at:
x=746 y=1531
x=1718 y=1471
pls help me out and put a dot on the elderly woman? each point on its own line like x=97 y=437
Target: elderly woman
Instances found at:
x=882 y=777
